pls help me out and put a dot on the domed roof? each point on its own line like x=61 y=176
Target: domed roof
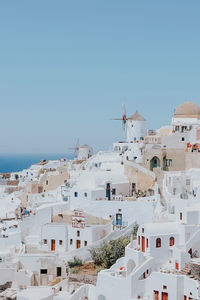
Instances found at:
x=187 y=110
x=85 y=146
x=136 y=117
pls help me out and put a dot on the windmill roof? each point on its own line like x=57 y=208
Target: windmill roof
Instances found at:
x=85 y=146
x=137 y=117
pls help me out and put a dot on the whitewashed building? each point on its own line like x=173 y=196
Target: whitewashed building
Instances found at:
x=54 y=237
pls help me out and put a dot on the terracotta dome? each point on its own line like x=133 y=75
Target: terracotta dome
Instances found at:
x=187 y=110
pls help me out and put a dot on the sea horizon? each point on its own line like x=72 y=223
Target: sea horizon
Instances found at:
x=15 y=162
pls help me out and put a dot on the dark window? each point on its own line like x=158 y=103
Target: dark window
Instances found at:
x=181 y=216
x=133 y=186
x=47 y=182
x=158 y=243
x=71 y=241
x=78 y=233
x=171 y=241
x=114 y=191
x=75 y=194
x=183 y=139
x=108 y=186
x=60 y=242
x=85 y=243
x=85 y=194
x=59 y=271
x=45 y=242
x=43 y=271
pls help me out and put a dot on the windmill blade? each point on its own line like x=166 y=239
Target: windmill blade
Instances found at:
x=124 y=108
x=77 y=143
x=124 y=129
x=75 y=148
x=123 y=118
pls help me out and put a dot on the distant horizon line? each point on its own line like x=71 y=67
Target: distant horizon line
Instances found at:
x=36 y=153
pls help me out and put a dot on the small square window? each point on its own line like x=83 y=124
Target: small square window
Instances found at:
x=113 y=191
x=45 y=241
x=60 y=242
x=43 y=271
x=164 y=287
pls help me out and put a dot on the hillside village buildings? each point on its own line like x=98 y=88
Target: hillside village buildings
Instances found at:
x=57 y=210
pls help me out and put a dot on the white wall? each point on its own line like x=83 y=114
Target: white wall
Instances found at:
x=13 y=239
x=57 y=232
x=135 y=130
x=85 y=235
x=113 y=288
x=141 y=210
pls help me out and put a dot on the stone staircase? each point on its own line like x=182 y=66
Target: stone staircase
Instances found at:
x=190 y=271
x=187 y=269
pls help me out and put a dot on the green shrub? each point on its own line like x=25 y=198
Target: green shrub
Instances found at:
x=77 y=262
x=97 y=255
x=109 y=253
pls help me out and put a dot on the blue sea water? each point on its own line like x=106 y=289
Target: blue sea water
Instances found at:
x=18 y=162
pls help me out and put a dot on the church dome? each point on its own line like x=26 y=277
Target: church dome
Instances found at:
x=187 y=110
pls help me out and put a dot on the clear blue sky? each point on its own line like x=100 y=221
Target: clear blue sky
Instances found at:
x=66 y=66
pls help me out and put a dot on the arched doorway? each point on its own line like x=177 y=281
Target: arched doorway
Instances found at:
x=154 y=163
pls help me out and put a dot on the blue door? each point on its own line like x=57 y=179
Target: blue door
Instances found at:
x=119 y=219
x=108 y=191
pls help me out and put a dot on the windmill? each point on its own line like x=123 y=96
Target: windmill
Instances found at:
x=75 y=148
x=123 y=118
